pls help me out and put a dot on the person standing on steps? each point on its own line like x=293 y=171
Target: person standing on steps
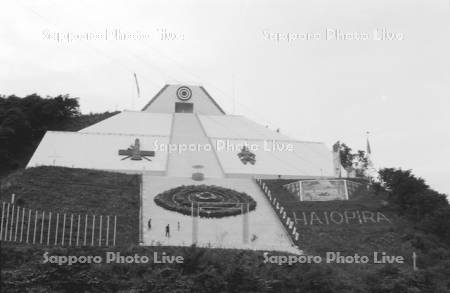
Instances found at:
x=149 y=223
x=178 y=226
x=167 y=230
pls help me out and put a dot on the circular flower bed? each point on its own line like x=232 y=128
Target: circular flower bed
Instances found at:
x=209 y=200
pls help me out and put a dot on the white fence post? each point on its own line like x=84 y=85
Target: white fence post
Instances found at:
x=7 y=222
x=49 y=227
x=3 y=216
x=195 y=224
x=29 y=224
x=100 y=232
x=17 y=224
x=93 y=229
x=85 y=229
x=78 y=229
x=115 y=226
x=21 y=224
x=35 y=226
x=56 y=229
x=42 y=227
x=346 y=189
x=71 y=225
x=107 y=231
x=12 y=223
x=64 y=230
x=12 y=227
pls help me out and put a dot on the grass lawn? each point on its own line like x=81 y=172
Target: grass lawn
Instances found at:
x=349 y=238
x=79 y=191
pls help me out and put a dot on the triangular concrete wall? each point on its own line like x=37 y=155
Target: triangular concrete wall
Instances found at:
x=165 y=100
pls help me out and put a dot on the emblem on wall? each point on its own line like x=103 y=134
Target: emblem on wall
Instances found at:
x=134 y=152
x=184 y=93
x=246 y=156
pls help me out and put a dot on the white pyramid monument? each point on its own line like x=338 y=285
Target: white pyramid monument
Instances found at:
x=185 y=128
x=183 y=132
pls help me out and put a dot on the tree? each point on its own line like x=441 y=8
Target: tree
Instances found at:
x=346 y=156
x=401 y=183
x=416 y=199
x=357 y=162
x=23 y=122
x=15 y=129
x=438 y=223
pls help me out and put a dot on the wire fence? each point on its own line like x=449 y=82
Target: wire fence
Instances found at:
x=32 y=226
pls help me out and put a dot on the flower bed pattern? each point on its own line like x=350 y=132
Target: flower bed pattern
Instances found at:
x=213 y=201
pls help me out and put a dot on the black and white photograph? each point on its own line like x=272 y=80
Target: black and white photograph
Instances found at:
x=253 y=146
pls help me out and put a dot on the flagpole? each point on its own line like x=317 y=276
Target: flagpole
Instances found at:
x=370 y=168
x=138 y=91
x=368 y=150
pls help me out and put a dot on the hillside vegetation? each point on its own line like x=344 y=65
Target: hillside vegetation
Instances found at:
x=78 y=191
x=318 y=234
x=24 y=121
x=212 y=270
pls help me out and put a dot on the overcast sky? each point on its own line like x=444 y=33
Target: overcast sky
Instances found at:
x=389 y=74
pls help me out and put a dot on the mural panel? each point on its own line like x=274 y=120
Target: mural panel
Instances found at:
x=322 y=190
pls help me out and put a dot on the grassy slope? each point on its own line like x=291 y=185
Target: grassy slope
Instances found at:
x=349 y=239
x=204 y=270
x=79 y=191
x=401 y=238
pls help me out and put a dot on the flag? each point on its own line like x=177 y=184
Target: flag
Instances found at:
x=368 y=150
x=137 y=85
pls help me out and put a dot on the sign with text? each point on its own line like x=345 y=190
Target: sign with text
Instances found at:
x=346 y=217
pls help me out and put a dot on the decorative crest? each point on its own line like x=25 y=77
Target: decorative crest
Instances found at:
x=134 y=152
x=246 y=156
